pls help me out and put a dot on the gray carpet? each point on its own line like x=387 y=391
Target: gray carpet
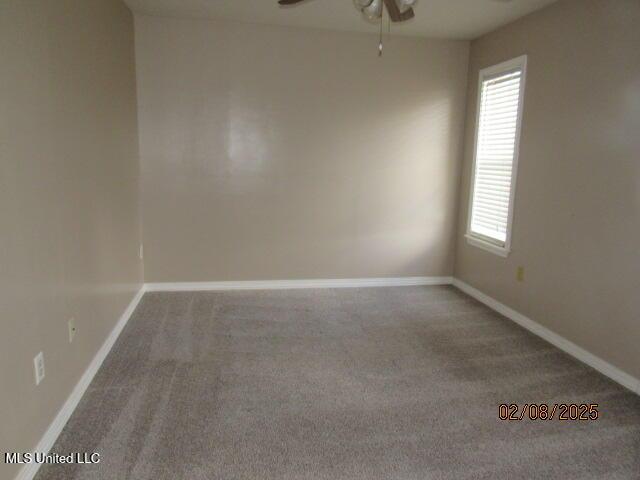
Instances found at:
x=381 y=383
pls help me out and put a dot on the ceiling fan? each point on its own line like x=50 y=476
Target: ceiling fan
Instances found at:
x=399 y=10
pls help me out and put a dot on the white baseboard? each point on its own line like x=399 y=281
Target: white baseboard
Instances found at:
x=29 y=470
x=296 y=284
x=604 y=367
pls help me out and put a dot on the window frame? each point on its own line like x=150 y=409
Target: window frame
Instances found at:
x=474 y=238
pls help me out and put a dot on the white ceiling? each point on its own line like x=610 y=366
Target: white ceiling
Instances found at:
x=458 y=19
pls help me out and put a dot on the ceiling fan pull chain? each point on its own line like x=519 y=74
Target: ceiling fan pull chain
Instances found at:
x=381 y=23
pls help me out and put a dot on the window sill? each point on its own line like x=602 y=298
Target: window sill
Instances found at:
x=488 y=246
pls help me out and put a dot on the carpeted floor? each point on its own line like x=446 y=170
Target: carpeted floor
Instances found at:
x=359 y=384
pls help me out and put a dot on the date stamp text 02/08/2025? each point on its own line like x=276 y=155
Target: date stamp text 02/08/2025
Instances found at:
x=543 y=411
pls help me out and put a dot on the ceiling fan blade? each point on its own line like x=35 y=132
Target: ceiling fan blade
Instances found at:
x=395 y=14
x=408 y=15
x=289 y=2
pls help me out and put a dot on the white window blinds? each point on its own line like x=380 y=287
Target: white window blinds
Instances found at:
x=496 y=144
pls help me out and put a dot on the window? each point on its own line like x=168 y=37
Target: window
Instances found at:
x=500 y=101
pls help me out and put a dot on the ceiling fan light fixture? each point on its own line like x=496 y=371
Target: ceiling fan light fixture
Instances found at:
x=360 y=4
x=374 y=10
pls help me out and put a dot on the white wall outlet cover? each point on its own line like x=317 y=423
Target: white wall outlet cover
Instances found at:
x=141 y=253
x=38 y=364
x=72 y=329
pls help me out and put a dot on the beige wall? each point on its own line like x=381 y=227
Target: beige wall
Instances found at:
x=277 y=153
x=68 y=199
x=577 y=208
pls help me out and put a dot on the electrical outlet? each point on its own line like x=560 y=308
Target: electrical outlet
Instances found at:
x=72 y=329
x=141 y=252
x=38 y=364
x=520 y=274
